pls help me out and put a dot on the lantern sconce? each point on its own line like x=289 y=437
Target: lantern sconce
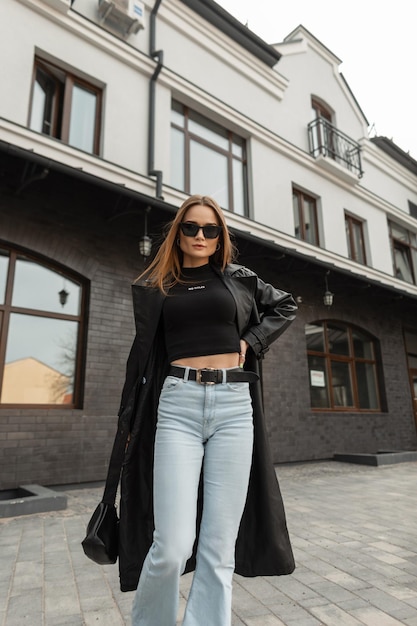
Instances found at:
x=145 y=243
x=63 y=296
x=328 y=295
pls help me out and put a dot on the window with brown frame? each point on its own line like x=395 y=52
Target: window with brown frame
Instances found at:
x=404 y=252
x=323 y=131
x=343 y=367
x=305 y=217
x=320 y=110
x=412 y=207
x=42 y=311
x=66 y=107
x=355 y=239
x=207 y=158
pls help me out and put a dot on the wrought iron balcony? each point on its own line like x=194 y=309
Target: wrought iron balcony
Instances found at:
x=325 y=140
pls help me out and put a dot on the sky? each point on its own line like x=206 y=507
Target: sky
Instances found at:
x=375 y=42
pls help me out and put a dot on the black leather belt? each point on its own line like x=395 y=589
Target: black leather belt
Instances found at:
x=208 y=376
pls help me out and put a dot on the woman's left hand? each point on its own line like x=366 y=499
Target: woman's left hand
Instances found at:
x=242 y=355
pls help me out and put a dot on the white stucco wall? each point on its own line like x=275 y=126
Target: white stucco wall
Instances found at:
x=270 y=107
x=123 y=76
x=314 y=72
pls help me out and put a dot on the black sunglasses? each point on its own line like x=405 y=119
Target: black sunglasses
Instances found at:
x=210 y=231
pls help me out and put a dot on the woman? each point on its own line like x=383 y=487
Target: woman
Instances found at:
x=189 y=403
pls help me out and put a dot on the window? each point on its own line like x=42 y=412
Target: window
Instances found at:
x=305 y=217
x=209 y=159
x=355 y=239
x=342 y=364
x=41 y=330
x=321 y=110
x=65 y=107
x=412 y=207
x=331 y=147
x=404 y=250
x=323 y=136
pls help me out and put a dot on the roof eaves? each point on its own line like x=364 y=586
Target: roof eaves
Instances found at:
x=233 y=28
x=159 y=203
x=301 y=28
x=395 y=152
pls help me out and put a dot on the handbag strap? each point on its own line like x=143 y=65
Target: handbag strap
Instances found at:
x=119 y=449
x=115 y=465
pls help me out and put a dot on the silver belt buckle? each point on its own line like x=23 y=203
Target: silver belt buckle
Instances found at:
x=199 y=374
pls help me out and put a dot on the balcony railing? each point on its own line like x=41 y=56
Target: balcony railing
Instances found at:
x=327 y=141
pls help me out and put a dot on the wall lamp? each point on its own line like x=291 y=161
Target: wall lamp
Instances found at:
x=145 y=243
x=327 y=296
x=63 y=296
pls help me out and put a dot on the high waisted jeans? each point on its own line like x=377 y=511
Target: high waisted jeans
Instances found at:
x=198 y=425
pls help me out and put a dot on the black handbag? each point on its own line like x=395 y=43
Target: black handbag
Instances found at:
x=101 y=543
x=102 y=538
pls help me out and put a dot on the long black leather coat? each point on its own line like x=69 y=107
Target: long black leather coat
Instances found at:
x=263 y=546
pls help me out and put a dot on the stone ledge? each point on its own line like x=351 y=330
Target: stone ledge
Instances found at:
x=28 y=499
x=384 y=457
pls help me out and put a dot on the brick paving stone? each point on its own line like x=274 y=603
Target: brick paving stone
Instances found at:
x=332 y=615
x=387 y=603
x=354 y=534
x=264 y=620
x=373 y=617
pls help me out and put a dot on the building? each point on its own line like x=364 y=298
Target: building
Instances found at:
x=119 y=109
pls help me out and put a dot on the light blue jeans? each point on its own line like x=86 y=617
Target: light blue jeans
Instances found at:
x=207 y=426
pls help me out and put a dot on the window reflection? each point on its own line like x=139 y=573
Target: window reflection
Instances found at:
x=238 y=188
x=41 y=114
x=309 y=215
x=208 y=170
x=206 y=157
x=237 y=147
x=357 y=237
x=341 y=384
x=177 y=114
x=342 y=367
x=82 y=119
x=4 y=265
x=404 y=250
x=40 y=361
x=319 y=388
x=177 y=159
x=363 y=346
x=208 y=130
x=40 y=338
x=315 y=337
x=403 y=265
x=305 y=217
x=338 y=339
x=37 y=287
x=367 y=386
x=64 y=107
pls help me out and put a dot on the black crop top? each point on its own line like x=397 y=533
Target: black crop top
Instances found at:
x=200 y=316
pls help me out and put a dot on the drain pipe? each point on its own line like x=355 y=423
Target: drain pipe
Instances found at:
x=158 y=55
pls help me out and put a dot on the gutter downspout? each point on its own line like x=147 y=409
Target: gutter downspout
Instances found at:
x=158 y=55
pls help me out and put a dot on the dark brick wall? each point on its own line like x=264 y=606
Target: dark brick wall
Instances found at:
x=58 y=446
x=298 y=433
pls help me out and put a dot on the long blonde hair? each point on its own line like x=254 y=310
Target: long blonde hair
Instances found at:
x=165 y=269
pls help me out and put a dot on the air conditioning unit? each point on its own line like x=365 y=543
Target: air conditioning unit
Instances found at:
x=125 y=15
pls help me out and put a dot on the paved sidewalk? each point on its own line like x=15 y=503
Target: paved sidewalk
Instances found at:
x=354 y=532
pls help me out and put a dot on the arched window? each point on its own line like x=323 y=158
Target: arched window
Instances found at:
x=322 y=135
x=321 y=110
x=42 y=308
x=343 y=367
